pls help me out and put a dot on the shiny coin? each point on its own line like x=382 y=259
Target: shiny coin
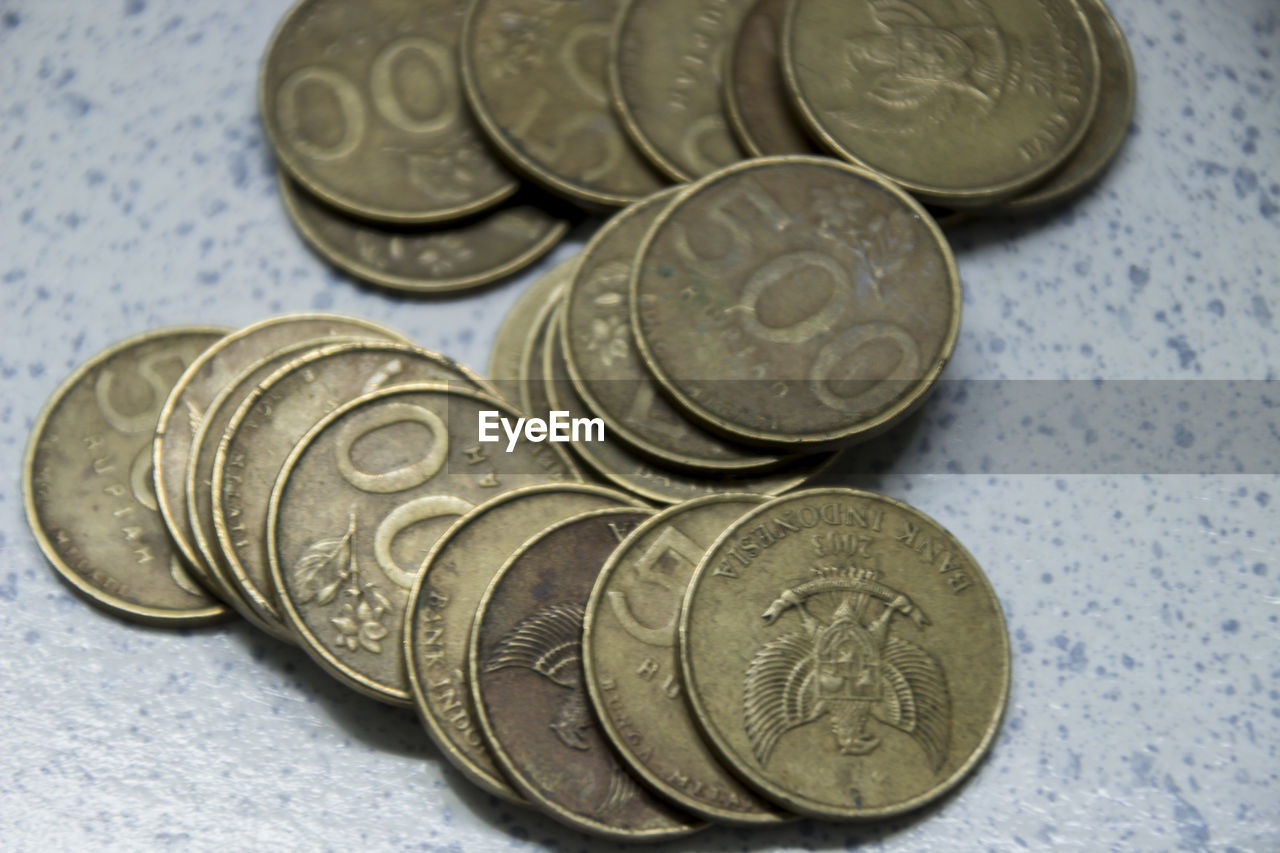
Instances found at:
x=607 y=369
x=87 y=485
x=266 y=425
x=360 y=501
x=795 y=302
x=508 y=345
x=443 y=603
x=437 y=259
x=361 y=101
x=961 y=103
x=200 y=384
x=667 y=70
x=534 y=72
x=845 y=654
x=525 y=667
x=760 y=109
x=632 y=669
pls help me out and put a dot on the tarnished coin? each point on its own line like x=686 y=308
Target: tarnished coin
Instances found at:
x=534 y=72
x=87 y=485
x=845 y=654
x=525 y=668
x=436 y=259
x=508 y=345
x=266 y=425
x=760 y=108
x=963 y=103
x=362 y=102
x=632 y=668
x=443 y=602
x=606 y=367
x=359 y=503
x=795 y=302
x=1110 y=123
x=533 y=366
x=203 y=379
x=666 y=72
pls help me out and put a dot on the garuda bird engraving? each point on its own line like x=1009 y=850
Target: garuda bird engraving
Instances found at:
x=847 y=666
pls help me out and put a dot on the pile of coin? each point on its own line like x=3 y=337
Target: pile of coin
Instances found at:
x=422 y=141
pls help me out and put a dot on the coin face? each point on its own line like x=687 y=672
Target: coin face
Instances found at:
x=961 y=103
x=760 y=109
x=795 y=302
x=606 y=368
x=443 y=603
x=87 y=485
x=429 y=259
x=667 y=77
x=363 y=105
x=525 y=666
x=202 y=381
x=632 y=669
x=266 y=425
x=845 y=654
x=508 y=345
x=534 y=72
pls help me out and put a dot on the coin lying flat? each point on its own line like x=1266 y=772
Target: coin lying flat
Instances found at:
x=437 y=259
x=534 y=73
x=508 y=345
x=795 y=302
x=632 y=669
x=606 y=368
x=87 y=486
x=845 y=654
x=362 y=103
x=667 y=64
x=443 y=603
x=271 y=420
x=756 y=99
x=962 y=103
x=525 y=668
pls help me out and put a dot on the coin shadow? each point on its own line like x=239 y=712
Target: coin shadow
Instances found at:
x=866 y=465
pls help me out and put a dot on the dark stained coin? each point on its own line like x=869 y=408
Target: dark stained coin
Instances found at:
x=760 y=108
x=87 y=484
x=525 y=666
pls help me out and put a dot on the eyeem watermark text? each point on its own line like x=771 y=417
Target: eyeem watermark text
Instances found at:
x=559 y=427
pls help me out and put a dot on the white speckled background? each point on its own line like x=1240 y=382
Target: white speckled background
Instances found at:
x=136 y=191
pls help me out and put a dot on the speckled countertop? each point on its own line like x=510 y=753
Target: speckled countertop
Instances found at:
x=136 y=191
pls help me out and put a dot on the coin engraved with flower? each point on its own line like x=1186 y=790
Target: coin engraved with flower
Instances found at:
x=329 y=574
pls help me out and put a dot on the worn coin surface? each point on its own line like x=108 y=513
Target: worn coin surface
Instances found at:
x=756 y=98
x=525 y=668
x=962 y=103
x=203 y=379
x=443 y=602
x=266 y=425
x=534 y=72
x=666 y=74
x=508 y=345
x=607 y=369
x=795 y=302
x=433 y=259
x=845 y=654
x=362 y=103
x=87 y=485
x=632 y=668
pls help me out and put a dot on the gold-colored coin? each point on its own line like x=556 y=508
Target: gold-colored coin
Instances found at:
x=201 y=382
x=845 y=654
x=760 y=108
x=606 y=368
x=443 y=603
x=1110 y=123
x=525 y=669
x=358 y=504
x=666 y=72
x=266 y=425
x=87 y=485
x=533 y=375
x=632 y=668
x=961 y=103
x=534 y=72
x=427 y=260
x=795 y=302
x=508 y=345
x=362 y=103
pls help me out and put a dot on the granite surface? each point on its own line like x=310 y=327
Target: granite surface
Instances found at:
x=136 y=191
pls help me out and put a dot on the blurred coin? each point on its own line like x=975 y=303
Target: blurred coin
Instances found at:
x=508 y=344
x=759 y=106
